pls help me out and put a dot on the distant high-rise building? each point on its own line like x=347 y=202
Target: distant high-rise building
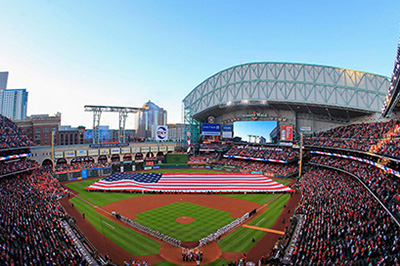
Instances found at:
x=149 y=116
x=13 y=103
x=3 y=80
x=176 y=131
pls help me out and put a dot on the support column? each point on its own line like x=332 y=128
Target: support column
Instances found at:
x=96 y=125
x=122 y=120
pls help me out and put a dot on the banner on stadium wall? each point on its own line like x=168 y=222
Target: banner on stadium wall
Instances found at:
x=68 y=154
x=211 y=129
x=125 y=150
x=154 y=149
x=171 y=148
x=163 y=148
x=84 y=173
x=161 y=133
x=227 y=128
x=81 y=152
x=135 y=149
x=15 y=156
x=254 y=159
x=145 y=149
x=305 y=129
x=115 y=150
x=287 y=132
x=58 y=154
x=93 y=152
x=104 y=151
x=227 y=134
x=384 y=168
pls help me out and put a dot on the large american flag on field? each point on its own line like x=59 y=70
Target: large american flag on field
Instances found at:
x=193 y=182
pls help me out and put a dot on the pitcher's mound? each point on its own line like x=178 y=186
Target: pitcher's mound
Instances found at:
x=185 y=220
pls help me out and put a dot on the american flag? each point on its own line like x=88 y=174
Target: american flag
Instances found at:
x=193 y=182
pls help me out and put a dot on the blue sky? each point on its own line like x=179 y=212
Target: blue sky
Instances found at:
x=124 y=53
x=257 y=128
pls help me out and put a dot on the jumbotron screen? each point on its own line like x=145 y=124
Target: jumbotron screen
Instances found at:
x=253 y=130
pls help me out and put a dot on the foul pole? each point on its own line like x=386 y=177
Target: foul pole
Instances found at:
x=301 y=154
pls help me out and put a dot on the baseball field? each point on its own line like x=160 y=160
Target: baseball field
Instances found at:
x=187 y=217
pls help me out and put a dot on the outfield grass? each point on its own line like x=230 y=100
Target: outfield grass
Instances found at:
x=261 y=198
x=99 y=198
x=131 y=241
x=241 y=239
x=268 y=218
x=207 y=220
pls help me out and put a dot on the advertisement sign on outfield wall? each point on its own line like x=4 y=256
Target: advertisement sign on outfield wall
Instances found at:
x=81 y=153
x=287 y=132
x=58 y=154
x=69 y=154
x=93 y=152
x=125 y=150
x=135 y=149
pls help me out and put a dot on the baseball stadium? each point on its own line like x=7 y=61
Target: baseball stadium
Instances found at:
x=325 y=190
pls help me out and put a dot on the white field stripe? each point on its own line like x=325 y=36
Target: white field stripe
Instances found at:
x=108 y=224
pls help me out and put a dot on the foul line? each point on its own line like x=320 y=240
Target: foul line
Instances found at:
x=264 y=229
x=108 y=225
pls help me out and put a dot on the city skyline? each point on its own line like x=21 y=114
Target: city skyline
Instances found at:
x=126 y=53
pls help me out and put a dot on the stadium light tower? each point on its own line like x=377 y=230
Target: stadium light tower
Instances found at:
x=123 y=114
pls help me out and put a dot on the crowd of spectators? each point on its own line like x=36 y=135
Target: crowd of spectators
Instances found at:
x=344 y=225
x=11 y=166
x=203 y=158
x=31 y=232
x=11 y=136
x=265 y=167
x=379 y=137
x=386 y=185
x=265 y=152
x=80 y=166
x=214 y=146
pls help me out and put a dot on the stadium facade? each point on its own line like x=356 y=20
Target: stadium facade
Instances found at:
x=312 y=98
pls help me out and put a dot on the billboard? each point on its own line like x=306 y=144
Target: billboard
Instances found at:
x=227 y=128
x=68 y=154
x=81 y=152
x=58 y=154
x=211 y=129
x=115 y=150
x=153 y=148
x=93 y=152
x=161 y=133
x=227 y=134
x=125 y=150
x=287 y=132
x=135 y=149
